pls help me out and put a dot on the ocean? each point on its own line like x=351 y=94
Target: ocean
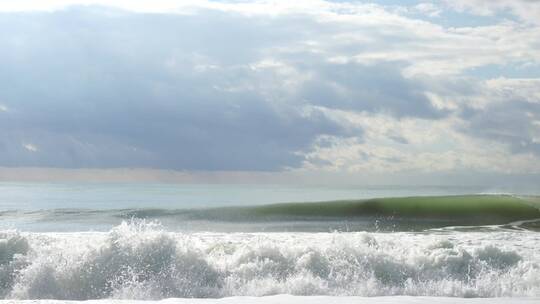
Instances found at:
x=268 y=243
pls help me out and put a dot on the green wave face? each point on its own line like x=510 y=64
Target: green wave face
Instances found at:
x=503 y=206
x=380 y=214
x=483 y=209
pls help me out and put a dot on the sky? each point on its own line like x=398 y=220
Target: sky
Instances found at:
x=336 y=90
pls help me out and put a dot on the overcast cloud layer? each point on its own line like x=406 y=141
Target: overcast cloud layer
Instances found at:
x=271 y=85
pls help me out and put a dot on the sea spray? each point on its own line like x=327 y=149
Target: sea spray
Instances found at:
x=13 y=247
x=140 y=260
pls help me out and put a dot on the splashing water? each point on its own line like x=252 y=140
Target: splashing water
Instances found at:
x=140 y=260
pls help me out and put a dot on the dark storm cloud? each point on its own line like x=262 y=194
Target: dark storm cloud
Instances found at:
x=93 y=87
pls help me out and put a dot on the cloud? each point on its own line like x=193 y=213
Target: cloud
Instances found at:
x=162 y=98
x=428 y=8
x=419 y=146
x=375 y=88
x=526 y=10
x=266 y=85
x=510 y=114
x=30 y=147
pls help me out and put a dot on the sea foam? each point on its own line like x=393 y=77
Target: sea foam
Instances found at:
x=140 y=260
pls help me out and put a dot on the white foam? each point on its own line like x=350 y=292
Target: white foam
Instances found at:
x=286 y=299
x=139 y=260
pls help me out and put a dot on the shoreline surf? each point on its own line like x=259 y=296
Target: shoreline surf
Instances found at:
x=141 y=260
x=285 y=299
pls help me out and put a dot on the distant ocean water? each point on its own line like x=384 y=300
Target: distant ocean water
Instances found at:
x=79 y=241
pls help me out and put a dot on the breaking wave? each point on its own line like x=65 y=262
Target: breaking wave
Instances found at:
x=382 y=214
x=140 y=260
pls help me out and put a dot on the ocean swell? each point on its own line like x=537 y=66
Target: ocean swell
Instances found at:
x=139 y=260
x=380 y=214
